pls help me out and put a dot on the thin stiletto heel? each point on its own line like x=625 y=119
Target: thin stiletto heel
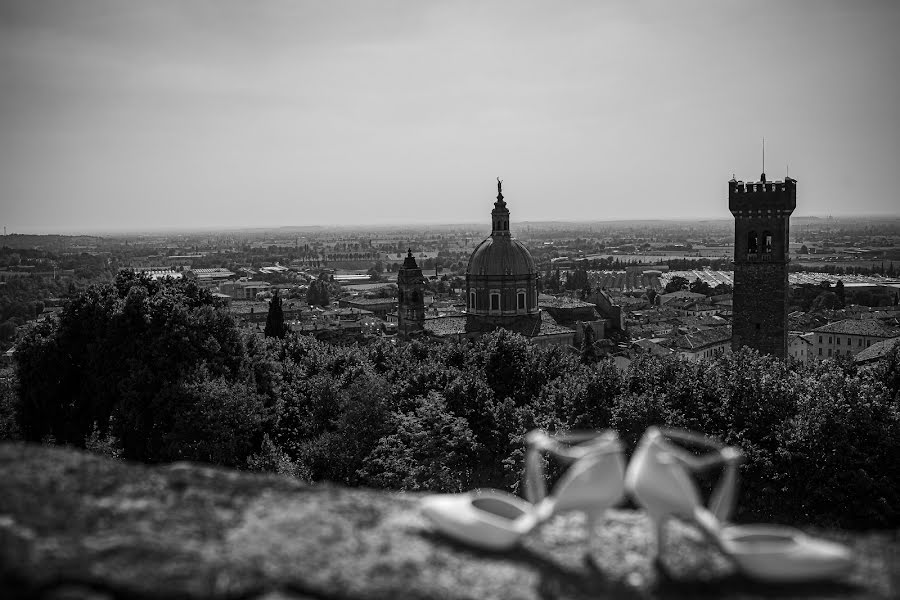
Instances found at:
x=658 y=478
x=592 y=518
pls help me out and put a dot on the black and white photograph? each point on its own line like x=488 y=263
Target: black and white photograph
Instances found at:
x=449 y=299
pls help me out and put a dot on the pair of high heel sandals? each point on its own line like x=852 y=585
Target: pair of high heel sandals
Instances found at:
x=659 y=479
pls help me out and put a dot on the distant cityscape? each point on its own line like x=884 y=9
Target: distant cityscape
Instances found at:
x=661 y=287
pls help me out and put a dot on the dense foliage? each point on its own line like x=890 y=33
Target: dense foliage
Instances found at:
x=157 y=372
x=275 y=326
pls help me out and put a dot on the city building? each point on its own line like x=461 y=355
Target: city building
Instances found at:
x=849 y=337
x=701 y=345
x=380 y=307
x=762 y=212
x=876 y=351
x=800 y=346
x=501 y=280
x=501 y=293
x=410 y=297
x=209 y=277
x=243 y=289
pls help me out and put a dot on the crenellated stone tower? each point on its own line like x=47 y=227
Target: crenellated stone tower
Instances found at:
x=411 y=297
x=762 y=212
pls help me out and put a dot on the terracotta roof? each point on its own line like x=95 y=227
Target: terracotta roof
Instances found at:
x=549 y=326
x=651 y=347
x=446 y=326
x=702 y=339
x=869 y=327
x=877 y=350
x=803 y=337
x=562 y=302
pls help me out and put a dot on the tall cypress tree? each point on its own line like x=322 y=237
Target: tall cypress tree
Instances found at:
x=275 y=326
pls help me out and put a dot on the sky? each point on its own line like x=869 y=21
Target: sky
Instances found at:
x=135 y=115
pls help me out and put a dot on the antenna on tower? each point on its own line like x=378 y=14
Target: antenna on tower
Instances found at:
x=763 y=159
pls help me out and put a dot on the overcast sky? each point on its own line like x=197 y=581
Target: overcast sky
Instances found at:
x=140 y=114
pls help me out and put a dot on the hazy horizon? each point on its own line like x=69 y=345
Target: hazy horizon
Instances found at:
x=122 y=117
x=515 y=226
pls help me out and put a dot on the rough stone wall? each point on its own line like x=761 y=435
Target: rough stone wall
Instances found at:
x=75 y=525
x=760 y=307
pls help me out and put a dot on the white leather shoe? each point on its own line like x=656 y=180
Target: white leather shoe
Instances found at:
x=496 y=520
x=659 y=479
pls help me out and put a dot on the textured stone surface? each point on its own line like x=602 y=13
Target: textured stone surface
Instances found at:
x=73 y=525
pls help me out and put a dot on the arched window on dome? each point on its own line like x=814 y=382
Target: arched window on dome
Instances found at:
x=520 y=300
x=495 y=300
x=472 y=300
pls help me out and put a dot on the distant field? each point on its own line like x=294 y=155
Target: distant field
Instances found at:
x=658 y=258
x=867 y=264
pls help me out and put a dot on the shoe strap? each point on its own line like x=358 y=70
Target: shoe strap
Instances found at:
x=571 y=446
x=722 y=501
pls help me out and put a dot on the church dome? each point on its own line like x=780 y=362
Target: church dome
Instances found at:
x=501 y=280
x=501 y=256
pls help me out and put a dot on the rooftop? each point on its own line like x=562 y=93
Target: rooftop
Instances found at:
x=869 y=327
x=702 y=339
x=545 y=300
x=877 y=350
x=446 y=326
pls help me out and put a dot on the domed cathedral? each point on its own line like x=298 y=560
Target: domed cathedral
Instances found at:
x=502 y=280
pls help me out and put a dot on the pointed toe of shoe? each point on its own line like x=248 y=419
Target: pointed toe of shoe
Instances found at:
x=491 y=520
x=787 y=555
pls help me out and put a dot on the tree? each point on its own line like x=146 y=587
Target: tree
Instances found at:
x=699 y=286
x=7 y=331
x=375 y=274
x=125 y=349
x=676 y=284
x=651 y=296
x=804 y=249
x=275 y=326
x=839 y=293
x=430 y=450
x=825 y=301
x=317 y=294
x=272 y=459
x=588 y=351
x=555 y=283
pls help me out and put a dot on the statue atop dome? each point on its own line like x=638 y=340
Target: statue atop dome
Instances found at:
x=499 y=187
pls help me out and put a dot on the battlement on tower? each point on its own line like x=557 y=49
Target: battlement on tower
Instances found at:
x=754 y=196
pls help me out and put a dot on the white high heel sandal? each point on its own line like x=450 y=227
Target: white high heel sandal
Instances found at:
x=497 y=520
x=658 y=478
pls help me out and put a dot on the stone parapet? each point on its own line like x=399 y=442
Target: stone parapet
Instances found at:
x=75 y=525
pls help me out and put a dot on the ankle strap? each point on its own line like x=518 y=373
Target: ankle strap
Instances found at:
x=571 y=445
x=722 y=500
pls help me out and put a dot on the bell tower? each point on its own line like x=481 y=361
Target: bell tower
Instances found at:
x=762 y=212
x=411 y=297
